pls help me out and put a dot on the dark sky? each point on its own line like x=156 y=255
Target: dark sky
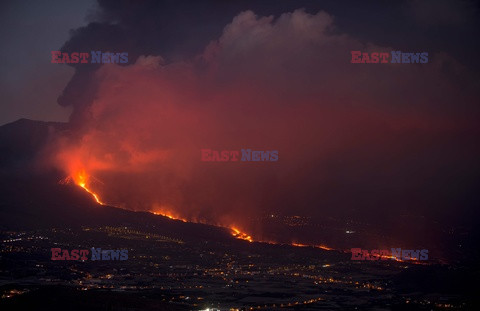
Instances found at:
x=29 y=30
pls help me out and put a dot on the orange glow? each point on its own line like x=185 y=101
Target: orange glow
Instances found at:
x=411 y=260
x=299 y=245
x=174 y=216
x=241 y=235
x=169 y=215
x=324 y=247
x=167 y=212
x=235 y=232
x=315 y=246
x=81 y=179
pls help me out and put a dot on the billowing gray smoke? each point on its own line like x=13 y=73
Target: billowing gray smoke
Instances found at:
x=355 y=141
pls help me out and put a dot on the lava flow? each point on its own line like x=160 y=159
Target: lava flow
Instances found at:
x=234 y=231
x=241 y=235
x=326 y=248
x=169 y=215
x=81 y=179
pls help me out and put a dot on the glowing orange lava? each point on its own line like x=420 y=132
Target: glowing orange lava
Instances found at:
x=81 y=179
x=234 y=230
x=169 y=215
x=326 y=248
x=315 y=246
x=241 y=235
x=411 y=260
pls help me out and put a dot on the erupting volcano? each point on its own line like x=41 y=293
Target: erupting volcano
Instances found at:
x=246 y=155
x=81 y=179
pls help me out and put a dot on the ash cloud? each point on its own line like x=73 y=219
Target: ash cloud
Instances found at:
x=365 y=141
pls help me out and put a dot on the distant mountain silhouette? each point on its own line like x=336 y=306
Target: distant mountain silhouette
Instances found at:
x=20 y=141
